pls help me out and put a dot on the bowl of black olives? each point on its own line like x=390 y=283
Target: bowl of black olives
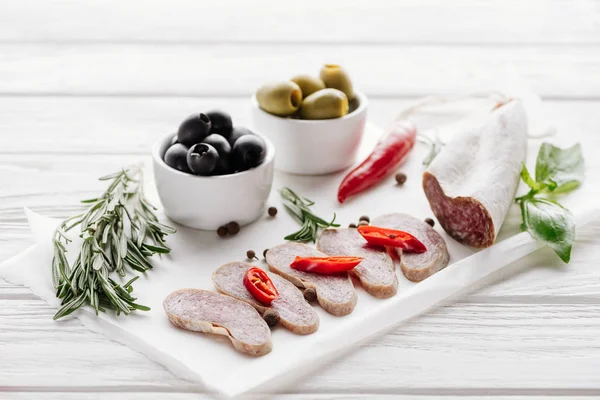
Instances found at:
x=315 y=122
x=211 y=172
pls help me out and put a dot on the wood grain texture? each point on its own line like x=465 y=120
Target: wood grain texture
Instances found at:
x=88 y=86
x=530 y=345
x=225 y=70
x=127 y=127
x=312 y=21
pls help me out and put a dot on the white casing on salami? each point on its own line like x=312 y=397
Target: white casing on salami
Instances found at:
x=472 y=182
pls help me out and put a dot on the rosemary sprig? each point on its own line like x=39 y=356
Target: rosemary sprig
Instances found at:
x=118 y=229
x=299 y=208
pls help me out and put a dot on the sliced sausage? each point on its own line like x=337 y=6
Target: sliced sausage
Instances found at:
x=335 y=293
x=376 y=272
x=471 y=184
x=295 y=312
x=417 y=266
x=208 y=312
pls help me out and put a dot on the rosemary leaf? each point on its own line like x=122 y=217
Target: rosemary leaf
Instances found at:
x=108 y=247
x=299 y=208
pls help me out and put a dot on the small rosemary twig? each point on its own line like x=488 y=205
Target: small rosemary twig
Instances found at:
x=299 y=208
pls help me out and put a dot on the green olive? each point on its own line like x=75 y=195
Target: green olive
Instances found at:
x=336 y=77
x=324 y=104
x=279 y=98
x=308 y=84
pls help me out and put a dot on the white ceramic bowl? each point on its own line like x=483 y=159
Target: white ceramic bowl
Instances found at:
x=313 y=147
x=207 y=202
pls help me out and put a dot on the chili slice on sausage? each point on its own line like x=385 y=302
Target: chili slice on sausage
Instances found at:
x=260 y=286
x=325 y=265
x=377 y=236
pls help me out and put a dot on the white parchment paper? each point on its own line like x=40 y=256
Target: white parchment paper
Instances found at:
x=195 y=255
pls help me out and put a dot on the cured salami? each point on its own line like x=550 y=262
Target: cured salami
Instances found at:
x=472 y=182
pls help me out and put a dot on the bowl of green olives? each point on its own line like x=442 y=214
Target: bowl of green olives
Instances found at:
x=211 y=173
x=315 y=123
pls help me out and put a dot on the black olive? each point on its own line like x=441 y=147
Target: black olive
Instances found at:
x=219 y=143
x=193 y=129
x=176 y=157
x=222 y=167
x=237 y=133
x=202 y=159
x=220 y=123
x=248 y=152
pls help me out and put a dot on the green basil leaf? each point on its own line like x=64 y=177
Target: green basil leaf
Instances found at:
x=561 y=169
x=551 y=223
x=535 y=186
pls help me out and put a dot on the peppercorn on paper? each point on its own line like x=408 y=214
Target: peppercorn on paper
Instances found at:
x=195 y=255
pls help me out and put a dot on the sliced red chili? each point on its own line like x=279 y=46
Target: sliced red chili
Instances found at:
x=325 y=265
x=260 y=285
x=389 y=237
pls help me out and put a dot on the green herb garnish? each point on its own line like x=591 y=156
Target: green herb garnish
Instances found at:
x=557 y=171
x=119 y=229
x=299 y=208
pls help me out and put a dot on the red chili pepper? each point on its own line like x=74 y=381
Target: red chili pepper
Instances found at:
x=260 y=285
x=390 y=237
x=389 y=152
x=325 y=265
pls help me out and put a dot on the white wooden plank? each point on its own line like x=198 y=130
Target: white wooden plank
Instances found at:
x=87 y=126
x=502 y=347
x=238 y=69
x=431 y=21
x=304 y=396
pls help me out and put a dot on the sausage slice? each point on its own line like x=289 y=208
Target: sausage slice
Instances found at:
x=335 y=293
x=417 y=266
x=296 y=314
x=208 y=312
x=376 y=272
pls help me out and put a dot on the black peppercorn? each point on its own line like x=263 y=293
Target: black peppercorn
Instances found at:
x=352 y=225
x=364 y=218
x=400 y=178
x=251 y=255
x=272 y=211
x=222 y=231
x=265 y=253
x=430 y=221
x=271 y=317
x=233 y=228
x=310 y=294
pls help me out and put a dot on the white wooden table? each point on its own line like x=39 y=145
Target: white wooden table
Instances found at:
x=88 y=86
